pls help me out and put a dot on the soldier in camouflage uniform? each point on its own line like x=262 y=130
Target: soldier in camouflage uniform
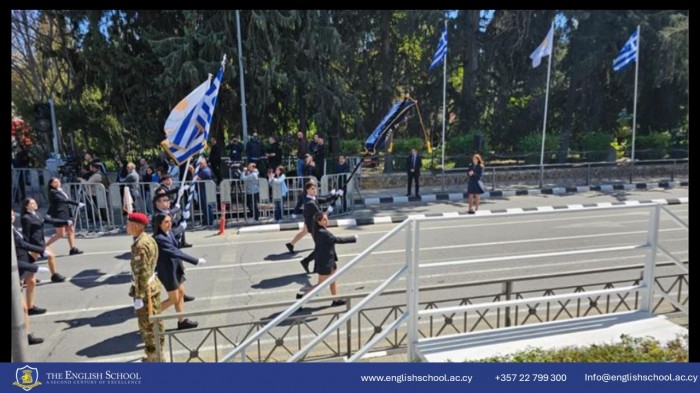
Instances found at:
x=146 y=287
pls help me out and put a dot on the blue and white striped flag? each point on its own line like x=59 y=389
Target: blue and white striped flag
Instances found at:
x=628 y=53
x=544 y=49
x=187 y=127
x=440 y=52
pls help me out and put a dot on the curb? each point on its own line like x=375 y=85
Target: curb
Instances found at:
x=353 y=222
x=458 y=196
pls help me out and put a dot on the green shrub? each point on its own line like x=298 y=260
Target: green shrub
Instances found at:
x=630 y=349
x=531 y=145
x=596 y=145
x=351 y=147
x=652 y=146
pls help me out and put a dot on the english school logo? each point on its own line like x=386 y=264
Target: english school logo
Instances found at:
x=27 y=378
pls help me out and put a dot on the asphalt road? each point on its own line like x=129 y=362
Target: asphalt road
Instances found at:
x=90 y=317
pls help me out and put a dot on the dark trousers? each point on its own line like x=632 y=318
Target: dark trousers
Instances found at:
x=252 y=201
x=411 y=177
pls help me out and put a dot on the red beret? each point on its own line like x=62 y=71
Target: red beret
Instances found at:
x=139 y=218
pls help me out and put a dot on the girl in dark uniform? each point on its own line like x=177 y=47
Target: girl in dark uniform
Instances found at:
x=475 y=186
x=59 y=208
x=33 y=230
x=170 y=269
x=325 y=256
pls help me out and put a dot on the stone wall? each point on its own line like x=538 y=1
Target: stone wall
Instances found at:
x=499 y=178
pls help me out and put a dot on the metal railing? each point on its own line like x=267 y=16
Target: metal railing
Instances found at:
x=410 y=268
x=210 y=343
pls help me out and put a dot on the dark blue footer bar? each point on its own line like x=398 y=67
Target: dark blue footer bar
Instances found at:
x=356 y=377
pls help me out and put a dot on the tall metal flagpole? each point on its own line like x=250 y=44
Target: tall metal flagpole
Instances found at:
x=634 y=110
x=546 y=103
x=444 y=100
x=240 y=74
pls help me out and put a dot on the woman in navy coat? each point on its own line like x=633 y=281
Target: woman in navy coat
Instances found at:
x=325 y=257
x=170 y=269
x=475 y=186
x=33 y=230
x=60 y=208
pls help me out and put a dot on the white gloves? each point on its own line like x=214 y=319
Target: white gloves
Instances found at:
x=42 y=269
x=183 y=225
x=340 y=193
x=177 y=206
x=138 y=304
x=46 y=253
x=201 y=261
x=333 y=192
x=329 y=210
x=70 y=222
x=81 y=205
x=186 y=215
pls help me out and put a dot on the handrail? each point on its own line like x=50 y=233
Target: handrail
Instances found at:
x=349 y=314
x=282 y=316
x=378 y=337
x=412 y=266
x=517 y=302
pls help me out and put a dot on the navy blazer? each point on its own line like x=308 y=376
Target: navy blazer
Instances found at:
x=168 y=252
x=33 y=227
x=324 y=248
x=59 y=204
x=312 y=206
x=22 y=248
x=409 y=163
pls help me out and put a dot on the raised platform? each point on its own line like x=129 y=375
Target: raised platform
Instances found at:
x=599 y=329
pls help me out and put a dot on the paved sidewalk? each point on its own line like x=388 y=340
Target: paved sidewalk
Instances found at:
x=436 y=193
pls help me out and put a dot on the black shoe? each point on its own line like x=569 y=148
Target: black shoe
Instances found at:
x=408 y=194
x=36 y=310
x=187 y=324
x=75 y=251
x=290 y=247
x=417 y=195
x=34 y=340
x=470 y=212
x=305 y=265
x=185 y=245
x=188 y=298
x=56 y=277
x=300 y=295
x=338 y=303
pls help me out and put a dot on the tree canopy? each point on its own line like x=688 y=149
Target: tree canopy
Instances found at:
x=114 y=75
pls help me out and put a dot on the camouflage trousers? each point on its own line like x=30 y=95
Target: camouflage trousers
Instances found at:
x=146 y=327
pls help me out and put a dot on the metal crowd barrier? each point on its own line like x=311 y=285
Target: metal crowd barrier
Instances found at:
x=30 y=183
x=96 y=217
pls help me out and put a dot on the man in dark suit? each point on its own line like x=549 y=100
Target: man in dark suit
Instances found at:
x=413 y=164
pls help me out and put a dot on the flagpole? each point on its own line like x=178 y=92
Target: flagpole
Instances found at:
x=634 y=110
x=546 y=103
x=444 y=100
x=244 y=118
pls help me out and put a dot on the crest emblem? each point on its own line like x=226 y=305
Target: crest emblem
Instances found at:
x=27 y=378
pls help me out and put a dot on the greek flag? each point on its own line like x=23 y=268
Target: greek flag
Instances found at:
x=628 y=53
x=187 y=127
x=440 y=52
x=545 y=48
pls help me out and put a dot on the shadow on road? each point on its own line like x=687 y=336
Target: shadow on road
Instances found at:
x=89 y=279
x=112 y=317
x=300 y=316
x=285 y=255
x=301 y=278
x=125 y=256
x=125 y=343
